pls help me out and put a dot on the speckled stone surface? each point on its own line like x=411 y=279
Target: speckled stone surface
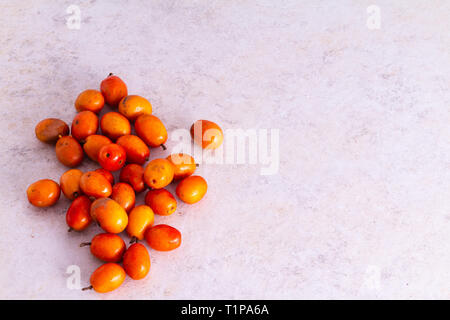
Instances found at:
x=360 y=206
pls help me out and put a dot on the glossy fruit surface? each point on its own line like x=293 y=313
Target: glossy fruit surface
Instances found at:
x=108 y=247
x=163 y=237
x=133 y=174
x=94 y=184
x=136 y=150
x=93 y=144
x=192 y=189
x=78 y=216
x=107 y=277
x=107 y=174
x=133 y=106
x=43 y=193
x=69 y=151
x=139 y=220
x=136 y=261
x=158 y=173
x=184 y=165
x=50 y=130
x=84 y=124
x=161 y=201
x=70 y=183
x=207 y=134
x=90 y=100
x=112 y=157
x=114 y=125
x=113 y=90
x=151 y=130
x=109 y=214
x=124 y=195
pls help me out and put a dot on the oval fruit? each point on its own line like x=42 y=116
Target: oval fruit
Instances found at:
x=114 y=125
x=84 y=124
x=124 y=195
x=207 y=134
x=133 y=174
x=70 y=183
x=136 y=150
x=161 y=201
x=90 y=100
x=113 y=90
x=107 y=277
x=112 y=157
x=136 y=261
x=163 y=237
x=192 y=189
x=50 y=130
x=69 y=151
x=110 y=215
x=93 y=145
x=133 y=106
x=139 y=220
x=94 y=184
x=78 y=216
x=43 y=193
x=151 y=130
x=107 y=247
x=184 y=165
x=158 y=173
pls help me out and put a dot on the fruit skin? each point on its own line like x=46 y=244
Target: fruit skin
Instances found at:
x=136 y=261
x=136 y=149
x=69 y=151
x=90 y=100
x=70 y=183
x=133 y=174
x=93 y=144
x=94 y=184
x=151 y=130
x=207 y=134
x=113 y=90
x=108 y=247
x=84 y=124
x=133 y=106
x=192 y=189
x=43 y=193
x=163 y=237
x=114 y=125
x=51 y=129
x=112 y=157
x=184 y=165
x=124 y=195
x=108 y=175
x=107 y=277
x=161 y=201
x=139 y=220
x=109 y=214
x=158 y=173
x=78 y=216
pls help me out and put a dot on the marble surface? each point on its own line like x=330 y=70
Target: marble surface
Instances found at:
x=360 y=205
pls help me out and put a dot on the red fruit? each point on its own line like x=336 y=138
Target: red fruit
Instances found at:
x=112 y=157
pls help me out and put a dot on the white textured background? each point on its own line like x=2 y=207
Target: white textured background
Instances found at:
x=360 y=207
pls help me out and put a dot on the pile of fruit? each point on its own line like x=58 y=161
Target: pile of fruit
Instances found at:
x=96 y=198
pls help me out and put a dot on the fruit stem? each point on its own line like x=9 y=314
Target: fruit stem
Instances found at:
x=85 y=244
x=197 y=165
x=87 y=288
x=134 y=240
x=110 y=74
x=163 y=146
